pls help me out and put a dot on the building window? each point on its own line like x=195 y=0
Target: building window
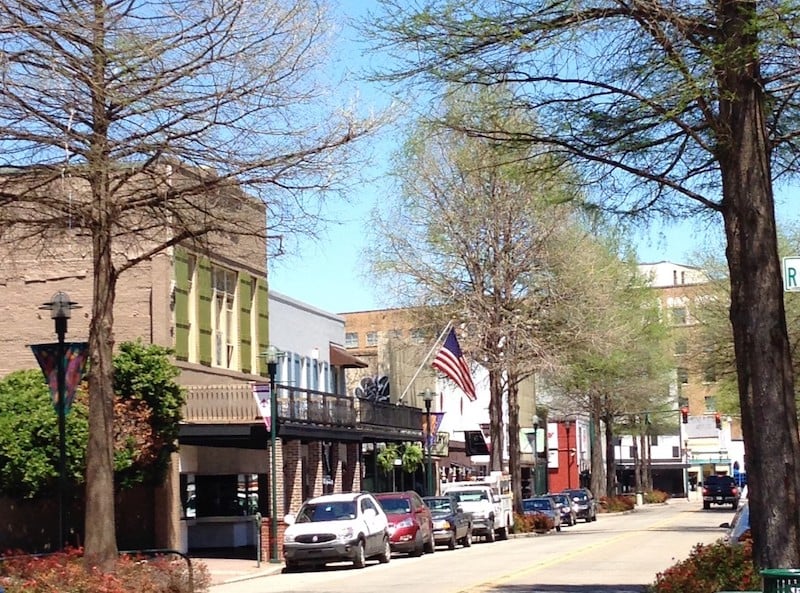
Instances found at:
x=683 y=376
x=711 y=403
x=372 y=338
x=351 y=340
x=194 y=339
x=396 y=334
x=417 y=335
x=710 y=374
x=679 y=316
x=223 y=322
x=680 y=347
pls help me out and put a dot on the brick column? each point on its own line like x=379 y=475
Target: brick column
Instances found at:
x=336 y=472
x=293 y=476
x=314 y=468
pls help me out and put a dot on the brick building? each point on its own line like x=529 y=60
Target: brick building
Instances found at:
x=209 y=303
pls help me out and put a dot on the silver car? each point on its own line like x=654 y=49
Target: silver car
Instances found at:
x=738 y=526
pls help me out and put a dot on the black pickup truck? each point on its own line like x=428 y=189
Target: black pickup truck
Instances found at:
x=720 y=490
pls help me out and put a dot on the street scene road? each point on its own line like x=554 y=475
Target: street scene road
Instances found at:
x=619 y=553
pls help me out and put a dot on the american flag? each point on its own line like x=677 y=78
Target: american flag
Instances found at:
x=450 y=361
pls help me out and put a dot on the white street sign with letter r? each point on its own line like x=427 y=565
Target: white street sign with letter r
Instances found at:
x=791 y=274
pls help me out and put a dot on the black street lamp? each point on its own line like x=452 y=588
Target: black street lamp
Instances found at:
x=272 y=355
x=427 y=397
x=535 y=420
x=60 y=307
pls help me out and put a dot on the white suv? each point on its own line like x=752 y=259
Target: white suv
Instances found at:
x=350 y=526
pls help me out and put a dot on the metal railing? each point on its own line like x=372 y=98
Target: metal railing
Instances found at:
x=235 y=404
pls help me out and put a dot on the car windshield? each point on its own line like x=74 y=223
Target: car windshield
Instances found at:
x=578 y=496
x=394 y=506
x=327 y=511
x=537 y=504
x=438 y=504
x=470 y=495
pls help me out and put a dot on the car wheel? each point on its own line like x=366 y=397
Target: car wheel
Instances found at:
x=386 y=555
x=558 y=527
x=451 y=545
x=359 y=559
x=430 y=545
x=291 y=566
x=490 y=535
x=419 y=546
x=594 y=516
x=706 y=505
x=503 y=533
x=467 y=541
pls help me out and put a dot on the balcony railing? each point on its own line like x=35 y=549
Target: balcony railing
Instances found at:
x=234 y=404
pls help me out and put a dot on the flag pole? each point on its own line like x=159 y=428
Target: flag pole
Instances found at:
x=424 y=360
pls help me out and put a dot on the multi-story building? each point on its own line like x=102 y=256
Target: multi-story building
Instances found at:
x=707 y=442
x=399 y=350
x=212 y=308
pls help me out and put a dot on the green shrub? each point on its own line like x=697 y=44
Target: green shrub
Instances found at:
x=65 y=572
x=710 y=568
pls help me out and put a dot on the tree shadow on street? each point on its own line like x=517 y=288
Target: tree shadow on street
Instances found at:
x=592 y=588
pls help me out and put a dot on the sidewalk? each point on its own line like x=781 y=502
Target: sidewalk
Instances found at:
x=227 y=570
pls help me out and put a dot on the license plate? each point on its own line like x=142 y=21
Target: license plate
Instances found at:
x=719 y=498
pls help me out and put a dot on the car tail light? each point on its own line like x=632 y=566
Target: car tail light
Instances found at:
x=705 y=491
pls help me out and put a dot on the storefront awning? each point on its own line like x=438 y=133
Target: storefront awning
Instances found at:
x=340 y=357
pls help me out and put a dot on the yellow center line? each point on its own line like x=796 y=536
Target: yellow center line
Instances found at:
x=488 y=585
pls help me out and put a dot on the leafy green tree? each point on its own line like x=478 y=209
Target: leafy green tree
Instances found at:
x=148 y=409
x=685 y=109
x=614 y=353
x=145 y=373
x=469 y=234
x=29 y=441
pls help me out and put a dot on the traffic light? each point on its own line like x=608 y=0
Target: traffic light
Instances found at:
x=685 y=414
x=718 y=421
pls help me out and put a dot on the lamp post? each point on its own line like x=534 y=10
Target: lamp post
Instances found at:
x=535 y=421
x=60 y=307
x=272 y=355
x=427 y=397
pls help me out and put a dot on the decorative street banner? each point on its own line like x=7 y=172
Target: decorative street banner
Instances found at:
x=261 y=393
x=429 y=431
x=441 y=448
x=75 y=357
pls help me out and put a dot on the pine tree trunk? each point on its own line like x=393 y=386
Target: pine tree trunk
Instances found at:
x=496 y=421
x=763 y=356
x=100 y=549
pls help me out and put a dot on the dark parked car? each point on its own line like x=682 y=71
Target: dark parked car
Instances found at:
x=720 y=490
x=585 y=504
x=564 y=503
x=451 y=525
x=410 y=522
x=544 y=505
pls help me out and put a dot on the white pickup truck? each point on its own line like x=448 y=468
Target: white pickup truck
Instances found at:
x=491 y=512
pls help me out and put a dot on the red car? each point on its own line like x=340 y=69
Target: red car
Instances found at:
x=410 y=522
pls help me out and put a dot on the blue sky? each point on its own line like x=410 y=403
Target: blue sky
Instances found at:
x=329 y=273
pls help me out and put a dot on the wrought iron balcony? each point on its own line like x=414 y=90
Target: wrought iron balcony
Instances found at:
x=234 y=404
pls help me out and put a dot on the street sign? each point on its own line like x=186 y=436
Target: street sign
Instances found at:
x=791 y=274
